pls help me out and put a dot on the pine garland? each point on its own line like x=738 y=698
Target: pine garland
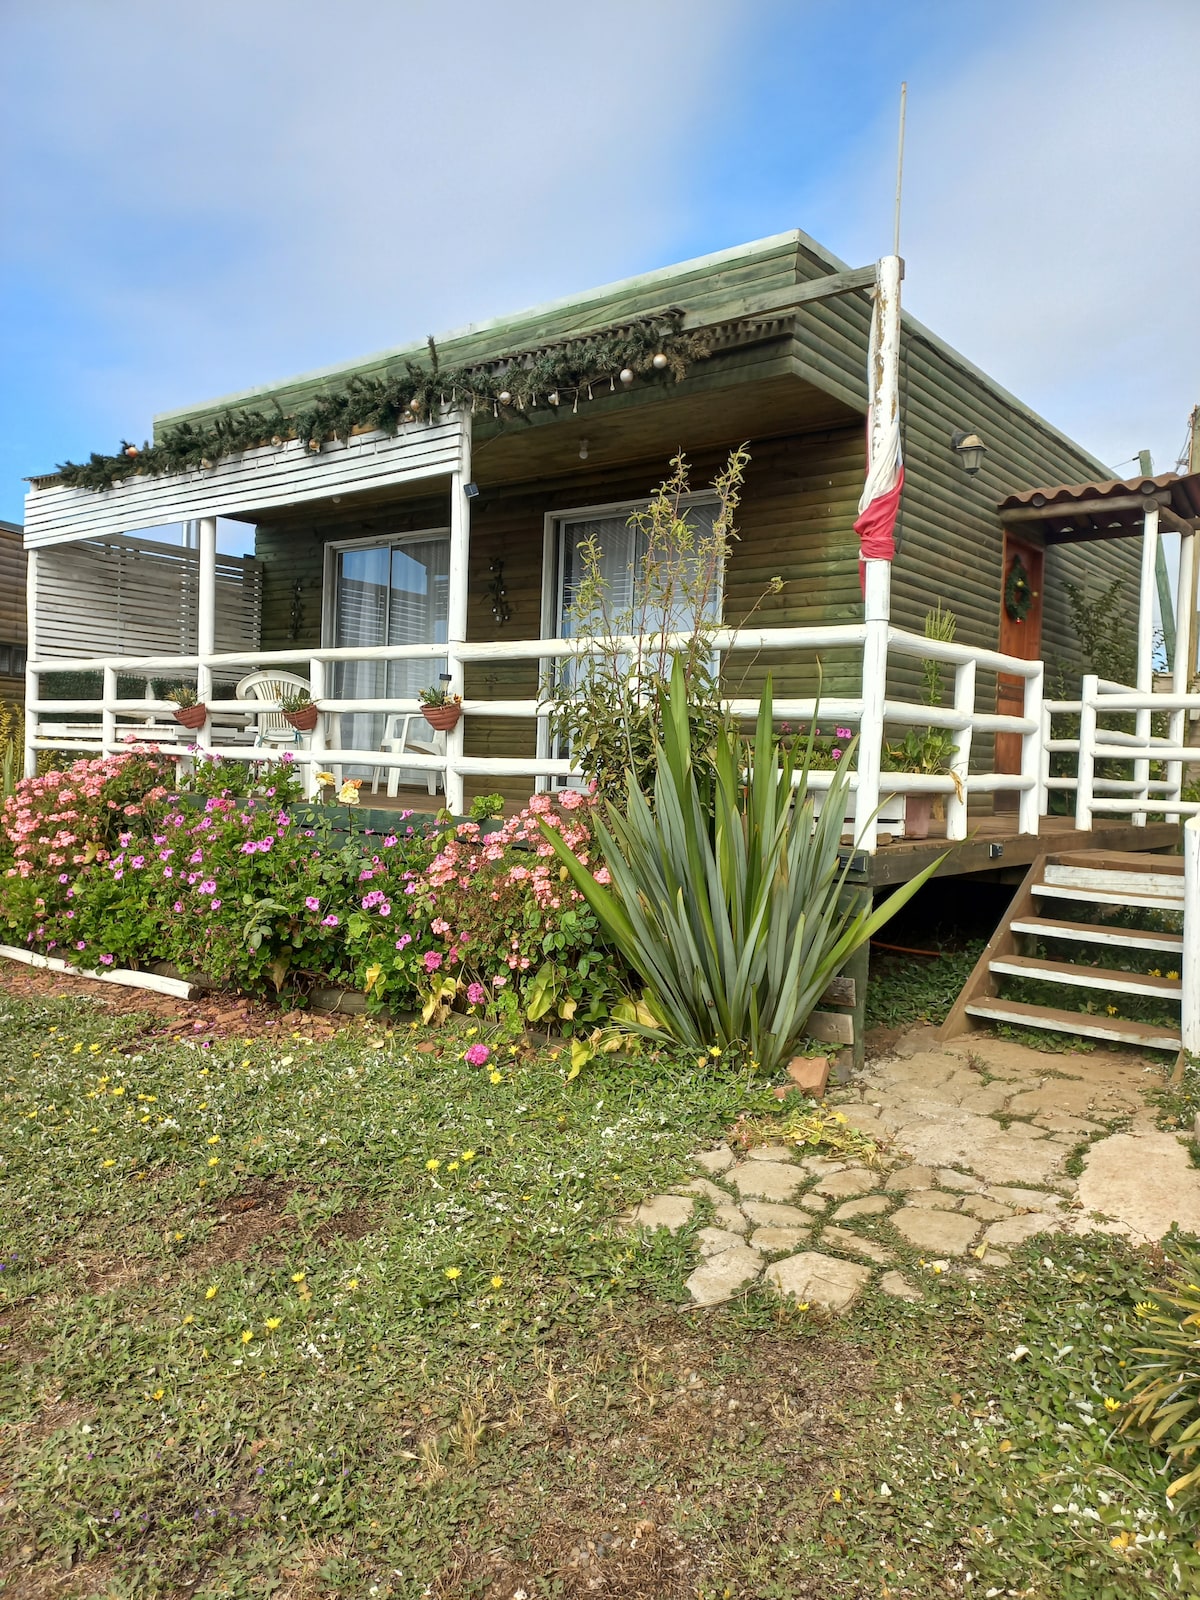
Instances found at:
x=554 y=376
x=1018 y=591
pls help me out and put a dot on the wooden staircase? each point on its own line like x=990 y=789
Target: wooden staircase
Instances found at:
x=1044 y=912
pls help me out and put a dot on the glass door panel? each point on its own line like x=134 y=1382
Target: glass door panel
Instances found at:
x=393 y=593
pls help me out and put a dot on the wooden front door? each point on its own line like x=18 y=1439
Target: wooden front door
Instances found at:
x=1019 y=636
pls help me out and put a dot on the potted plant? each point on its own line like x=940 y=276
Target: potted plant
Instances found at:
x=297 y=706
x=188 y=709
x=928 y=750
x=439 y=707
x=829 y=750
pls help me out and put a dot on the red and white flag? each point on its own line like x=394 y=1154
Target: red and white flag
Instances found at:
x=880 y=499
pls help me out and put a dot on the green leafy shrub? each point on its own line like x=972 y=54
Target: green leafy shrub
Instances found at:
x=730 y=906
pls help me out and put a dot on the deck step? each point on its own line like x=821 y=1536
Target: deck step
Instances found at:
x=1117 y=1030
x=1099 y=933
x=1108 y=897
x=1107 y=978
x=1166 y=885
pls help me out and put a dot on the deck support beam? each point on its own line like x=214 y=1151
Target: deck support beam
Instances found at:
x=456 y=607
x=206 y=619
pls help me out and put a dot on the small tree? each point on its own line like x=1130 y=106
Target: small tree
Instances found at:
x=609 y=697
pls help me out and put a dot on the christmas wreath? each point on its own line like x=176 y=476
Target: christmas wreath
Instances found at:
x=1018 y=591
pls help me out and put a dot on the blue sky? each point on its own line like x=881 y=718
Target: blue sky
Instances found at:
x=196 y=202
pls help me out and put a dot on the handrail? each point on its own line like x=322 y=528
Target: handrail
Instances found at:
x=870 y=712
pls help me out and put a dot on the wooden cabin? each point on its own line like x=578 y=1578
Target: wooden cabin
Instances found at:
x=417 y=517
x=12 y=612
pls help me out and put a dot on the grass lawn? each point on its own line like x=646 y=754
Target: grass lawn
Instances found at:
x=349 y=1318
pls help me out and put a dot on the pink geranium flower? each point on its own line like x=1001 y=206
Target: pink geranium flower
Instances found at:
x=433 y=960
x=311 y=901
x=476 y=994
x=477 y=1055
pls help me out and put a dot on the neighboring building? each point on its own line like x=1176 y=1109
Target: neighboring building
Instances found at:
x=12 y=612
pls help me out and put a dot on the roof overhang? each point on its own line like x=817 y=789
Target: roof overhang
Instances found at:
x=248 y=486
x=1112 y=508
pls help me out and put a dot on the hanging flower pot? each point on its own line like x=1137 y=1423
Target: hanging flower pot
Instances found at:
x=193 y=717
x=303 y=720
x=443 y=718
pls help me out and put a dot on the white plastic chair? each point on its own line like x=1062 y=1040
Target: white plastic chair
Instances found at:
x=397 y=738
x=272 y=727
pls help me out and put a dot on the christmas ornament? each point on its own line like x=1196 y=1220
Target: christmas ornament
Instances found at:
x=659 y=361
x=626 y=376
x=504 y=397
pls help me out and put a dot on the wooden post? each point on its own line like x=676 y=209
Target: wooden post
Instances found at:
x=964 y=704
x=1029 y=810
x=877 y=613
x=1162 y=581
x=316 y=741
x=1044 y=775
x=1086 y=763
x=456 y=605
x=108 y=717
x=1145 y=647
x=32 y=676
x=1189 y=970
x=206 y=619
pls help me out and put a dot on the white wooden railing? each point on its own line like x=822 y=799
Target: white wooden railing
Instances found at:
x=871 y=712
x=1137 y=787
x=1139 y=796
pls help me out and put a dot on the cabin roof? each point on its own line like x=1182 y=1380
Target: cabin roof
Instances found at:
x=1103 y=508
x=711 y=284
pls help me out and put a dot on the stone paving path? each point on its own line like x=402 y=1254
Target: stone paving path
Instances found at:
x=973 y=1140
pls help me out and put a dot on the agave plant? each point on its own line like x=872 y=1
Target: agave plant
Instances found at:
x=727 y=897
x=1164 y=1391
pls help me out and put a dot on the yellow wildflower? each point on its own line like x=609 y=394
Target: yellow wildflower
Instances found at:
x=214 y=1161
x=714 y=1049
x=297 y=1277
x=497 y=1281
x=453 y=1272
x=467 y=1155
x=1112 y=1010
x=837 y=1495
x=273 y=1322
x=353 y=1283
x=188 y=1318
x=1172 y=975
x=432 y=1164
x=246 y=1336
x=211 y=1292
x=1110 y=1404
x=216 y=1139
x=109 y=1163
x=120 y=1089
x=75 y=1051
x=95 y=1047
x=452 y=1166
x=494 y=1077
x=158 y=1394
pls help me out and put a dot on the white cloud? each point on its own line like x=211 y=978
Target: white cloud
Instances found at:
x=260 y=188
x=1052 y=216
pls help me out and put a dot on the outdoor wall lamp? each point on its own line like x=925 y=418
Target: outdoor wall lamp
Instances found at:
x=471 y=490
x=971 y=449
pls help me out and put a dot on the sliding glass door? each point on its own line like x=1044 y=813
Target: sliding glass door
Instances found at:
x=390 y=593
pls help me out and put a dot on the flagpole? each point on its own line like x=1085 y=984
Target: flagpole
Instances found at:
x=899 y=168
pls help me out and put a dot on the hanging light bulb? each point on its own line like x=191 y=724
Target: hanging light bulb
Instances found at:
x=583 y=449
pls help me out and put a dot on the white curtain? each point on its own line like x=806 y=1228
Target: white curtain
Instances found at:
x=388 y=594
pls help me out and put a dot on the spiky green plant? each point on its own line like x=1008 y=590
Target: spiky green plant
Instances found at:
x=727 y=894
x=1164 y=1391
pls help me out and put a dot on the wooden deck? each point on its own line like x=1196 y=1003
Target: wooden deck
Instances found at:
x=994 y=846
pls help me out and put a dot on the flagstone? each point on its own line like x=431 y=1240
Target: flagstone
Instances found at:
x=818 y=1279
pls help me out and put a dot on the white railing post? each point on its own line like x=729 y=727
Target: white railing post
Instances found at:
x=1030 y=807
x=964 y=704
x=317 y=744
x=32 y=676
x=108 y=717
x=456 y=607
x=1184 y=654
x=206 y=619
x=1086 y=765
x=877 y=607
x=1189 y=970
x=1044 y=765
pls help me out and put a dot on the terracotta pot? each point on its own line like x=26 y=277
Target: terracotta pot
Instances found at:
x=443 y=718
x=918 y=808
x=304 y=720
x=191 y=716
